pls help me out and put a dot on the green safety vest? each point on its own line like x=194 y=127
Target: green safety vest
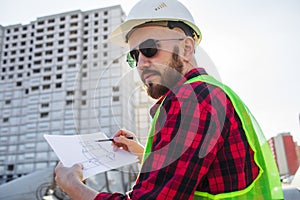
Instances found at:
x=267 y=184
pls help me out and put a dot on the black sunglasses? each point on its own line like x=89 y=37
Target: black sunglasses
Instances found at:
x=148 y=48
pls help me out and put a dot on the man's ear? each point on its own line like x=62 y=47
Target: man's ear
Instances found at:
x=189 y=48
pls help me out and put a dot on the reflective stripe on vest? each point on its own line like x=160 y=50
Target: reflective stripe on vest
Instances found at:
x=267 y=184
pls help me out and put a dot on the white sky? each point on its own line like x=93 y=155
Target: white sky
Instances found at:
x=255 y=46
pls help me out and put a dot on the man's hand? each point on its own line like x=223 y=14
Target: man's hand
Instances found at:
x=65 y=176
x=130 y=145
x=70 y=180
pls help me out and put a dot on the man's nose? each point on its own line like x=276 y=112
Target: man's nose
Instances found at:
x=143 y=62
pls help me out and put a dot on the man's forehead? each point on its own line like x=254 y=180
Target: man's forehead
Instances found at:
x=141 y=34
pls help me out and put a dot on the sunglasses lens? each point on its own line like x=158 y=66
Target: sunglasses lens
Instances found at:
x=131 y=59
x=148 y=48
x=149 y=52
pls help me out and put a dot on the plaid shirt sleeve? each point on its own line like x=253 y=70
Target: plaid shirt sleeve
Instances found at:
x=191 y=144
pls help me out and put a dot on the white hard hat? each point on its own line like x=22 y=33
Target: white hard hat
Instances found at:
x=146 y=11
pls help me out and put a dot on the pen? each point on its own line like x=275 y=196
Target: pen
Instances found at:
x=111 y=139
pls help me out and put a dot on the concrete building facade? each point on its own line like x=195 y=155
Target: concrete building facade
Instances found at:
x=59 y=75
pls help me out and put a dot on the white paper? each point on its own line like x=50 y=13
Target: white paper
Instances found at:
x=96 y=157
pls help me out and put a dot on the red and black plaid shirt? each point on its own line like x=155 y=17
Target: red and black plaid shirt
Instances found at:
x=199 y=145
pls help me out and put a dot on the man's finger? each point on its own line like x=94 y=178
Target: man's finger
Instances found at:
x=78 y=166
x=121 y=139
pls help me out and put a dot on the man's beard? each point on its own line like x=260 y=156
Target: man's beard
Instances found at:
x=171 y=76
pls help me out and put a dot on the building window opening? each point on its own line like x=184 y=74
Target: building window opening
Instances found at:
x=10 y=167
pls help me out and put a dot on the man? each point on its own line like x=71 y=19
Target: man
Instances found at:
x=203 y=142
